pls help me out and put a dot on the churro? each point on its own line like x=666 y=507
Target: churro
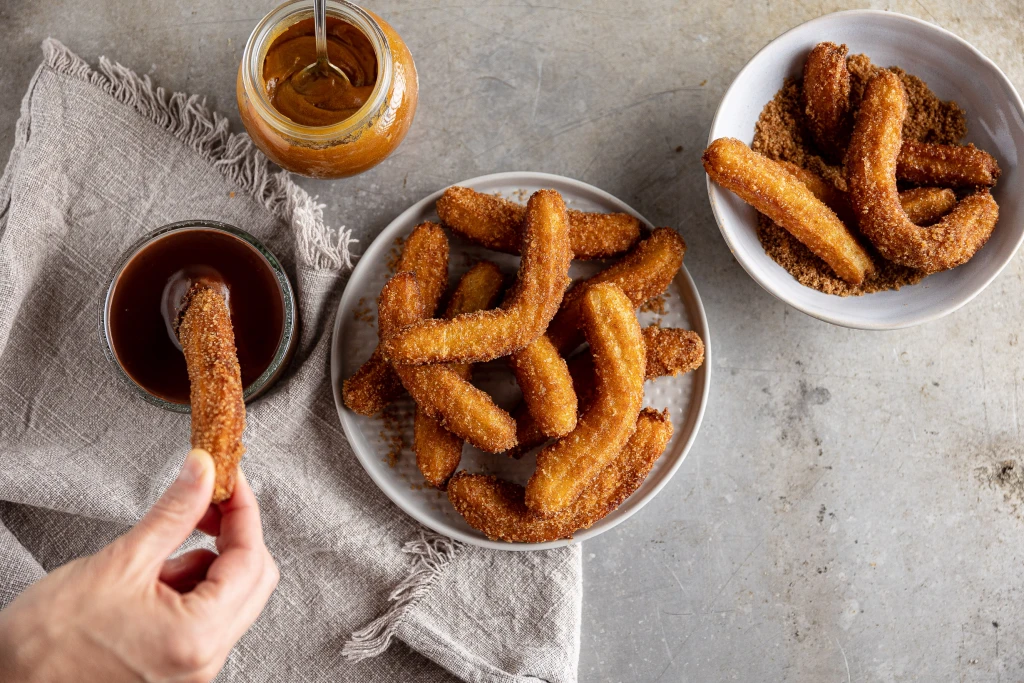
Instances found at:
x=829 y=194
x=922 y=204
x=771 y=189
x=523 y=316
x=438 y=451
x=669 y=351
x=544 y=379
x=566 y=467
x=498 y=508
x=645 y=272
x=827 y=97
x=927 y=163
x=497 y=224
x=871 y=167
x=218 y=409
x=925 y=205
x=375 y=384
x=439 y=390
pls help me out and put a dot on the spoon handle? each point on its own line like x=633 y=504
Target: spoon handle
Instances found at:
x=320 y=28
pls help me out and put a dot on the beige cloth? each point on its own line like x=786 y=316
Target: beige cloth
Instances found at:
x=100 y=158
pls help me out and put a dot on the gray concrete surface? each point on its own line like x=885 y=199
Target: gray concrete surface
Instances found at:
x=852 y=509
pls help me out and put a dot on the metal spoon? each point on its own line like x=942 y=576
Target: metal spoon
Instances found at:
x=322 y=67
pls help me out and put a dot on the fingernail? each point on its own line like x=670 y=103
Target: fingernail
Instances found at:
x=196 y=464
x=174 y=562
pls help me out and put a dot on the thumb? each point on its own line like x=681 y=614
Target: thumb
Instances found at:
x=175 y=515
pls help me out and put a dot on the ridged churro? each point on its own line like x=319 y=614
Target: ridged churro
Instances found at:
x=871 y=167
x=438 y=451
x=439 y=390
x=829 y=194
x=497 y=224
x=568 y=466
x=774 y=191
x=218 y=408
x=524 y=315
x=375 y=384
x=946 y=165
x=645 y=272
x=669 y=351
x=922 y=204
x=826 y=89
x=927 y=204
x=498 y=508
x=544 y=379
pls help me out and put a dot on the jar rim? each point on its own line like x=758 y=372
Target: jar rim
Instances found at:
x=288 y=337
x=288 y=14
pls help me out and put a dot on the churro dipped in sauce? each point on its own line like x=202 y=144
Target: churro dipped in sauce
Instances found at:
x=218 y=410
x=147 y=296
x=194 y=317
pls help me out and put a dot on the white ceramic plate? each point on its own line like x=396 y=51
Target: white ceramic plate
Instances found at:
x=954 y=70
x=355 y=337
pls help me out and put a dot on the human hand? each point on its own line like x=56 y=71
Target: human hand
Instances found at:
x=128 y=613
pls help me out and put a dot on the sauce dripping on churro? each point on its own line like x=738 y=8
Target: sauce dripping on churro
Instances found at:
x=147 y=296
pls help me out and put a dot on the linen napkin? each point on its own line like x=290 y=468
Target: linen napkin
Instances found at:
x=101 y=157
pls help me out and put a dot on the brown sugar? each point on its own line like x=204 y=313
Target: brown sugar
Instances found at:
x=363 y=312
x=656 y=304
x=395 y=255
x=781 y=134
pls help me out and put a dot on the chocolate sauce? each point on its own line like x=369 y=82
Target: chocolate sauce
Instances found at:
x=143 y=307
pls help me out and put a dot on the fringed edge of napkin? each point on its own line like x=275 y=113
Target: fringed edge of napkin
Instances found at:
x=433 y=554
x=189 y=119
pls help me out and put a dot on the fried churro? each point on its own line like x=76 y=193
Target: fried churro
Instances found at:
x=669 y=351
x=524 y=315
x=439 y=390
x=928 y=163
x=771 y=189
x=218 y=409
x=375 y=384
x=544 y=379
x=644 y=272
x=871 y=166
x=925 y=205
x=827 y=97
x=497 y=224
x=922 y=204
x=829 y=194
x=566 y=467
x=498 y=508
x=438 y=451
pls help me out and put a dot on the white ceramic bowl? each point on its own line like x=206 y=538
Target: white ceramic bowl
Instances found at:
x=685 y=396
x=953 y=69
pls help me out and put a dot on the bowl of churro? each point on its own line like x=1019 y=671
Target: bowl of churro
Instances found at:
x=519 y=361
x=863 y=168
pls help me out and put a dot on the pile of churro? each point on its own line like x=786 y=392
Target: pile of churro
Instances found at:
x=582 y=405
x=859 y=178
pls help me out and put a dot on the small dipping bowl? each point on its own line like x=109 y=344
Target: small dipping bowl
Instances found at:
x=254 y=253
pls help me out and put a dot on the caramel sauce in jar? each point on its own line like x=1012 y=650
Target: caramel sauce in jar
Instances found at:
x=335 y=129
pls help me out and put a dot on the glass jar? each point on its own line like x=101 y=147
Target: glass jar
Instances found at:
x=145 y=356
x=348 y=147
